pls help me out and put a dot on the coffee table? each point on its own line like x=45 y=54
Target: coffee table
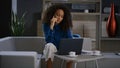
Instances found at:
x=80 y=58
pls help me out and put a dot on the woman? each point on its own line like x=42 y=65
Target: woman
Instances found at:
x=57 y=24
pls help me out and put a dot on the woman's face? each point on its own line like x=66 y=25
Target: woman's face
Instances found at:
x=59 y=14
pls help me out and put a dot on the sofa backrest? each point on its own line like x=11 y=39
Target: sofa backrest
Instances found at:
x=22 y=44
x=7 y=44
x=29 y=43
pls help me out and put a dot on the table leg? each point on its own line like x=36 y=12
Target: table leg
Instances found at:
x=85 y=64
x=96 y=63
x=75 y=65
x=62 y=64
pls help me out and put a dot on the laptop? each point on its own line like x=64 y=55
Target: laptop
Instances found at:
x=67 y=45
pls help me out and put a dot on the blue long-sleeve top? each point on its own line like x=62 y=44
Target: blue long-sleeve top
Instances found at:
x=54 y=36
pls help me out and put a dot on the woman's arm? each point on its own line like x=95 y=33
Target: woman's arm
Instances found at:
x=48 y=33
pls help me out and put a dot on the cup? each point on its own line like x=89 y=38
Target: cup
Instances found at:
x=72 y=53
x=96 y=52
x=86 y=11
x=89 y=53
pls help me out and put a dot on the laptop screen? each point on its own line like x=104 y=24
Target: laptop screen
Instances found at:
x=67 y=45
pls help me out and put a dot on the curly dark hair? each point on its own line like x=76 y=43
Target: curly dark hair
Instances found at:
x=66 y=23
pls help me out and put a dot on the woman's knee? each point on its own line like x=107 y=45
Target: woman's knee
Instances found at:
x=50 y=45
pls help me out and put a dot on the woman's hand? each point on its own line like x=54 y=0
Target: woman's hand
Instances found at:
x=53 y=21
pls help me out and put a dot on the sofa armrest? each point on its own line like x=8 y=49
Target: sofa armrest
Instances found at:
x=18 y=59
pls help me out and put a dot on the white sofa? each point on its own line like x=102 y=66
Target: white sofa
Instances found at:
x=21 y=52
x=18 y=47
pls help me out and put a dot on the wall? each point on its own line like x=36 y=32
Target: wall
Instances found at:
x=5 y=17
x=33 y=9
x=14 y=6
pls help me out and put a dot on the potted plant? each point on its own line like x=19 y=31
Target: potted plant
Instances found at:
x=17 y=24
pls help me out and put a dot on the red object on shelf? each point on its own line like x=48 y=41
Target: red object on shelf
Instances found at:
x=111 y=23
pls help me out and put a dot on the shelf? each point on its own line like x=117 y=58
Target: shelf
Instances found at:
x=107 y=14
x=94 y=40
x=80 y=13
x=106 y=38
x=73 y=1
x=90 y=18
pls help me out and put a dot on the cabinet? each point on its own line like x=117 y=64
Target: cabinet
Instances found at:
x=106 y=43
x=85 y=16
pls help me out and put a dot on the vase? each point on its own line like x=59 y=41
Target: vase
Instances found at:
x=111 y=23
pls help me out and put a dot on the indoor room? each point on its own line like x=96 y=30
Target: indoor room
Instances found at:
x=92 y=33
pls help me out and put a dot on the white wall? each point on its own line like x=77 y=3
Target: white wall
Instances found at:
x=14 y=6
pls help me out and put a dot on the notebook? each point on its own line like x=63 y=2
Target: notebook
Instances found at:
x=67 y=45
